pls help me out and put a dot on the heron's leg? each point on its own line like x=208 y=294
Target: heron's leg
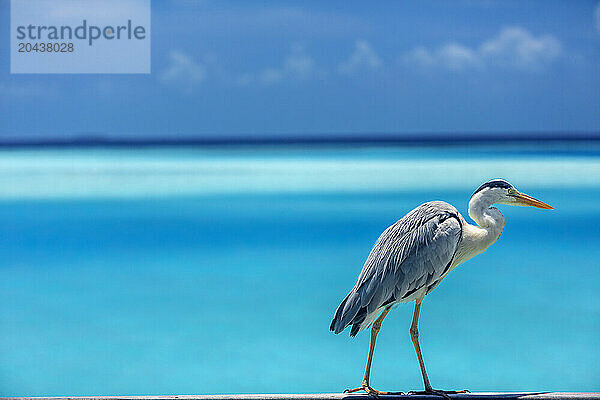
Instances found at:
x=374 y=331
x=414 y=334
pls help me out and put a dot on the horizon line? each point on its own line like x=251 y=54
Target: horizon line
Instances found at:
x=407 y=139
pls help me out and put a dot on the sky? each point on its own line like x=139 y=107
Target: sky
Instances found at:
x=222 y=68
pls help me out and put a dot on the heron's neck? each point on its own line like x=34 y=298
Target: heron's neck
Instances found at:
x=489 y=219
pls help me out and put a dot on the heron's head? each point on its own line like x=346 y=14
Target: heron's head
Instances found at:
x=499 y=191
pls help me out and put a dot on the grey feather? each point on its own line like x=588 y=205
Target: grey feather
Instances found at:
x=410 y=255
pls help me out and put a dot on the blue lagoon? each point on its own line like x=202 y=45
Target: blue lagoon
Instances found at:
x=205 y=270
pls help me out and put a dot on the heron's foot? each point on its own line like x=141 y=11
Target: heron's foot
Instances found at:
x=443 y=393
x=369 y=390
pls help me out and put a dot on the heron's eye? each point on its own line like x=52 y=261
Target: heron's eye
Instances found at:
x=512 y=191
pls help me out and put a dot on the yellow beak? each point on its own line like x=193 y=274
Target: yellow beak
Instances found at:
x=526 y=200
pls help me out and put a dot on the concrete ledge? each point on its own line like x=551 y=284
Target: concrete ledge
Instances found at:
x=338 y=396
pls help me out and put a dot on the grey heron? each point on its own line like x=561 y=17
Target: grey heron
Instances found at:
x=412 y=257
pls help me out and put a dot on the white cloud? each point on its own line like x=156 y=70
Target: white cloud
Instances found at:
x=516 y=47
x=363 y=58
x=299 y=64
x=295 y=66
x=270 y=75
x=453 y=56
x=512 y=47
x=183 y=71
x=458 y=57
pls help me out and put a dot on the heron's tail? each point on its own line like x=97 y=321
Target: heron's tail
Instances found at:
x=346 y=314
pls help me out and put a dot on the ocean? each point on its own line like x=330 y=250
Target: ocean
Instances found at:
x=190 y=270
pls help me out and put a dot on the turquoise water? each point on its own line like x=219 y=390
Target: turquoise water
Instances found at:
x=184 y=271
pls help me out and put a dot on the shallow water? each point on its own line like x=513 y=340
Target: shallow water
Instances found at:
x=164 y=271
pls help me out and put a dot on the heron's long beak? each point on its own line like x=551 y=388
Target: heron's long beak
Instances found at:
x=526 y=200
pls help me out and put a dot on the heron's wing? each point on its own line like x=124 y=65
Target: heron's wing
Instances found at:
x=412 y=254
